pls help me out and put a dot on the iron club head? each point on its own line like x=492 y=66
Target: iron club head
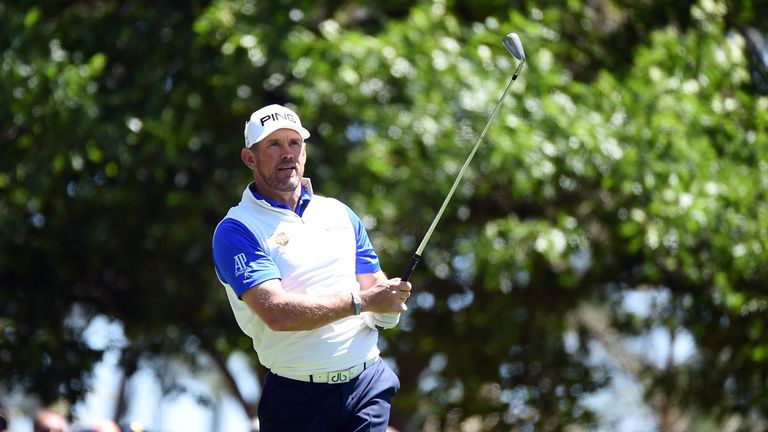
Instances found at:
x=513 y=44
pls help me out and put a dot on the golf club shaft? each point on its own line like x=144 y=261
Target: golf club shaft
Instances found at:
x=417 y=255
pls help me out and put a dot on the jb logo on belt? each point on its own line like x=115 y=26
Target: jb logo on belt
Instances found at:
x=335 y=377
x=338 y=377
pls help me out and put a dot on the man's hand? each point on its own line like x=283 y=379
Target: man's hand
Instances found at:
x=381 y=321
x=383 y=292
x=386 y=297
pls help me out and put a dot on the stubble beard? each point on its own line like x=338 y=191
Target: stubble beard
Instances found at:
x=277 y=184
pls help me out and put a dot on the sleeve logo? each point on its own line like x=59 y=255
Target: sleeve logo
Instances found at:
x=239 y=264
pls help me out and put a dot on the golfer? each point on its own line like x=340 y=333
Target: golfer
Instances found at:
x=305 y=283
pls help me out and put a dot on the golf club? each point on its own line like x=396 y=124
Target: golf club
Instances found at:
x=515 y=47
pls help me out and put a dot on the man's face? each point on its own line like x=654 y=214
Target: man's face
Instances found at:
x=279 y=161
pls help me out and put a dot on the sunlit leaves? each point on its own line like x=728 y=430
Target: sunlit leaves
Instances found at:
x=629 y=152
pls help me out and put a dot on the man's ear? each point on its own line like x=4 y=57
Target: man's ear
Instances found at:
x=249 y=159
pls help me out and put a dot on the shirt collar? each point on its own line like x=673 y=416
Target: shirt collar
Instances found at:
x=304 y=198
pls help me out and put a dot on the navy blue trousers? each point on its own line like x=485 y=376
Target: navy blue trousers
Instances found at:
x=362 y=404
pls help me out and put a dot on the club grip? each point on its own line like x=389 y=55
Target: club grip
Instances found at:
x=407 y=274
x=411 y=267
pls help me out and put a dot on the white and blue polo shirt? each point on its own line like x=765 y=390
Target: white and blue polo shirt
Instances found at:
x=316 y=250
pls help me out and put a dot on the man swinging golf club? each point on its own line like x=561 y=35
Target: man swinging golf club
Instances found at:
x=304 y=282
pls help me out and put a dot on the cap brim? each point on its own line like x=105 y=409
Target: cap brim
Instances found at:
x=301 y=131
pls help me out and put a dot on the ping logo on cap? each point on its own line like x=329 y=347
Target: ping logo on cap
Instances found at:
x=276 y=116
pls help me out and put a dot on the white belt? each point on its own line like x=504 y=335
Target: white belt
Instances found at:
x=335 y=377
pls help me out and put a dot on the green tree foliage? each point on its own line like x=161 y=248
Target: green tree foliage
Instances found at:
x=108 y=169
x=629 y=155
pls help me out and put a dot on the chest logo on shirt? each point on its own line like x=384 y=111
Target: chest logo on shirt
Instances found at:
x=280 y=238
x=337 y=227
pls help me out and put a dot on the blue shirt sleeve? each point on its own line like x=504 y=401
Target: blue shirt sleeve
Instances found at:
x=239 y=259
x=366 y=260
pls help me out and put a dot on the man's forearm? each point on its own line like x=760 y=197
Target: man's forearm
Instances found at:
x=284 y=311
x=296 y=312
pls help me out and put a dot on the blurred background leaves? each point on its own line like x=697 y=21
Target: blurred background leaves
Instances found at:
x=627 y=163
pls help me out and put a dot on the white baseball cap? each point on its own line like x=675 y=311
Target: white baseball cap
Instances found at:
x=269 y=119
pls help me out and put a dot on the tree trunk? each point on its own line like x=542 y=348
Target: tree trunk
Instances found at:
x=220 y=362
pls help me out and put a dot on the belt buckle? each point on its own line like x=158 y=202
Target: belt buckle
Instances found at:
x=338 y=377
